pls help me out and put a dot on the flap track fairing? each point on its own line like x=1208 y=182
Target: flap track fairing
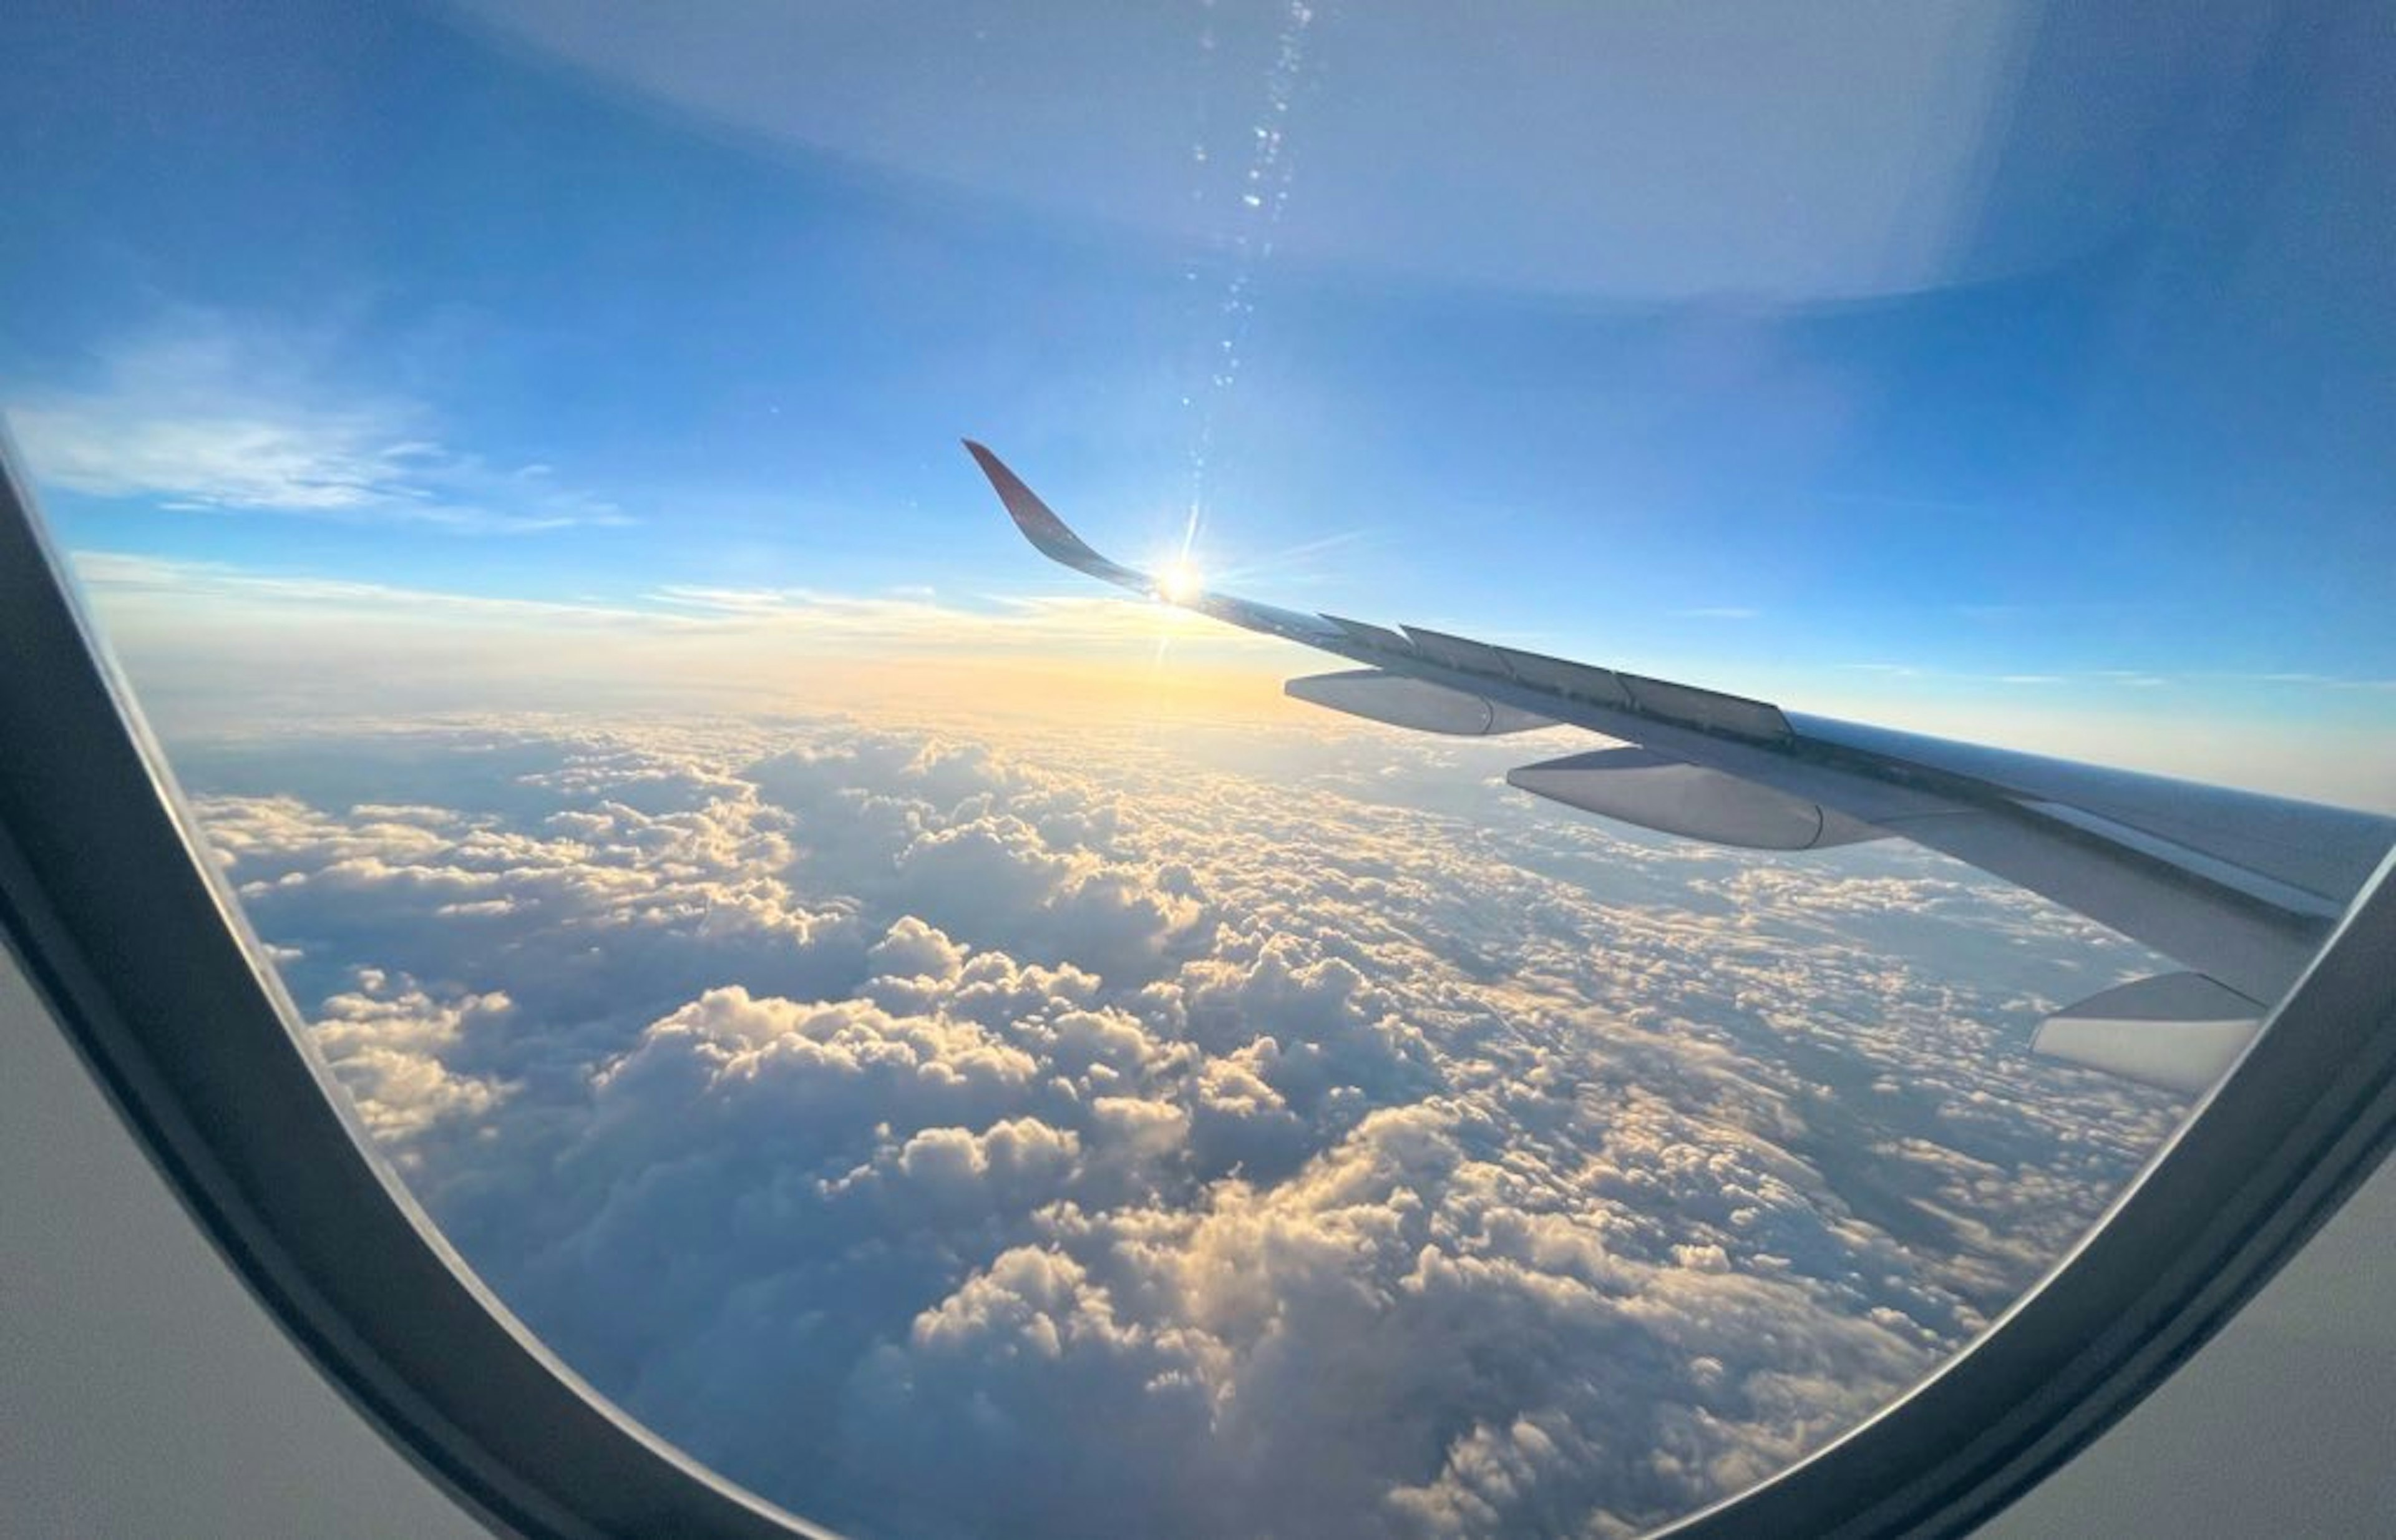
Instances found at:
x=2180 y=1031
x=1640 y=787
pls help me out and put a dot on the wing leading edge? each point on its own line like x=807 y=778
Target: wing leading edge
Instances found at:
x=2241 y=888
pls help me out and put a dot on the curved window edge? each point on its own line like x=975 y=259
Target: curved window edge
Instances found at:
x=125 y=931
x=2294 y=1128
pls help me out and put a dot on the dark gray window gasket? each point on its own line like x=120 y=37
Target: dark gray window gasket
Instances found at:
x=146 y=963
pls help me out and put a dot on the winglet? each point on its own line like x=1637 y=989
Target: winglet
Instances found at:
x=1040 y=525
x=1048 y=534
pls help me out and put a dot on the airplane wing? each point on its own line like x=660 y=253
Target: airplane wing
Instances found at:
x=2239 y=888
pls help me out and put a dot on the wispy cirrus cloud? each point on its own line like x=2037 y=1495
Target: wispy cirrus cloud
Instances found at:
x=204 y=414
x=2128 y=679
x=2318 y=681
x=206 y=590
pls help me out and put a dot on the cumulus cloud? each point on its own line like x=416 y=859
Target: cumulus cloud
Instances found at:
x=1272 y=1135
x=385 y=1040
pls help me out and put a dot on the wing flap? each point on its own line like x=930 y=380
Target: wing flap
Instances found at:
x=1365 y=635
x=1457 y=651
x=1582 y=681
x=1708 y=711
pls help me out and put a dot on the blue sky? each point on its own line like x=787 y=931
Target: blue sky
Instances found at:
x=532 y=305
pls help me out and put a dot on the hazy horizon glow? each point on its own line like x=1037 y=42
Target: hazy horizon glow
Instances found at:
x=213 y=646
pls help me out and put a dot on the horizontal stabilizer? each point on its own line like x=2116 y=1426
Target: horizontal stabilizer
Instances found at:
x=1644 y=788
x=1416 y=703
x=2180 y=1031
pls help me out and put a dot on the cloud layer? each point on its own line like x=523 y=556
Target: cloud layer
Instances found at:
x=1262 y=1134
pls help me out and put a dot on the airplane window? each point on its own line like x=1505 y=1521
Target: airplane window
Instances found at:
x=959 y=1048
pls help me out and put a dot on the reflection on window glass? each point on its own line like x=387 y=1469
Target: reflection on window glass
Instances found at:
x=961 y=1052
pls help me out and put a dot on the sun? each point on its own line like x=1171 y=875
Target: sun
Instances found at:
x=1178 y=582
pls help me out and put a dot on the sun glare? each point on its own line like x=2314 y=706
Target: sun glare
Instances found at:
x=1178 y=582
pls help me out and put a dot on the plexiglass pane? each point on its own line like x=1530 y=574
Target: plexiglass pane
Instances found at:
x=957 y=1049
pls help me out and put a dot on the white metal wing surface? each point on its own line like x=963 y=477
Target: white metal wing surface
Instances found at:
x=2239 y=888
